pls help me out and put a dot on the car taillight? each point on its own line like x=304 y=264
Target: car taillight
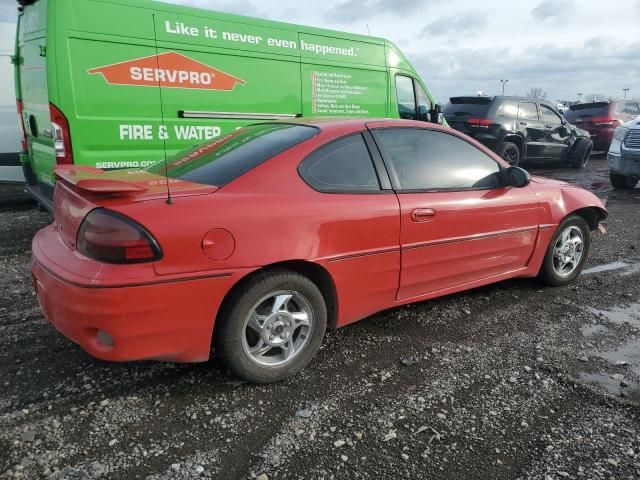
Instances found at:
x=21 y=124
x=61 y=136
x=606 y=121
x=110 y=237
x=480 y=122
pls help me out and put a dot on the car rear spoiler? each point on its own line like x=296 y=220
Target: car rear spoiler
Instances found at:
x=95 y=180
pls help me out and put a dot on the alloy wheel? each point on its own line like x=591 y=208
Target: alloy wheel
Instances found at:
x=511 y=155
x=568 y=251
x=277 y=328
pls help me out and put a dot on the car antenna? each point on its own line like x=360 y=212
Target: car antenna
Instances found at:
x=164 y=137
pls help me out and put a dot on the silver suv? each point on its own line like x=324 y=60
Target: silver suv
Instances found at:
x=624 y=155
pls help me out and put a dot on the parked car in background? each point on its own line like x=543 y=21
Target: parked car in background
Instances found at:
x=10 y=134
x=519 y=129
x=624 y=155
x=600 y=119
x=289 y=250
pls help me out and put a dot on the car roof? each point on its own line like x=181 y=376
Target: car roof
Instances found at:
x=332 y=124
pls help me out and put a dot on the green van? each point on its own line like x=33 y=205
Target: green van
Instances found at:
x=113 y=83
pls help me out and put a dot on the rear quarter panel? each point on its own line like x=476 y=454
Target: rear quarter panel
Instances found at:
x=275 y=217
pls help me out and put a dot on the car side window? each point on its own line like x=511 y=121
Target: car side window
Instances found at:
x=549 y=116
x=421 y=159
x=527 y=111
x=343 y=166
x=630 y=108
x=508 y=108
x=406 y=97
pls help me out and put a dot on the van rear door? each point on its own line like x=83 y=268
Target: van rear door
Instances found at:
x=32 y=92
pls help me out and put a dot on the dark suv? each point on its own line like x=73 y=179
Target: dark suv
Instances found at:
x=600 y=119
x=520 y=129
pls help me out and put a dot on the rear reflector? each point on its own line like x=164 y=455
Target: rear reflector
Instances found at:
x=61 y=136
x=110 y=237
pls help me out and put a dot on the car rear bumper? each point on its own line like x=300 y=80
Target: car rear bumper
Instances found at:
x=167 y=320
x=601 y=137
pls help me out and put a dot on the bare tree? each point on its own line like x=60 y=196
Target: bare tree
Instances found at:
x=536 y=93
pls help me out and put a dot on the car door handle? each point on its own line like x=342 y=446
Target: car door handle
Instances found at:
x=423 y=214
x=549 y=126
x=524 y=124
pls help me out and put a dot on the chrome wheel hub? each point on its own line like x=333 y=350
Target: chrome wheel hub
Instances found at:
x=277 y=328
x=568 y=251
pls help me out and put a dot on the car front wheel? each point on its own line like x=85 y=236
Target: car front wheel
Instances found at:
x=272 y=327
x=581 y=153
x=567 y=252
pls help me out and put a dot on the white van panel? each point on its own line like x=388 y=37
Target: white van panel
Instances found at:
x=10 y=145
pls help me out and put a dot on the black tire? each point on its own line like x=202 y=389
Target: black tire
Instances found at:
x=548 y=273
x=510 y=152
x=580 y=153
x=622 y=182
x=230 y=328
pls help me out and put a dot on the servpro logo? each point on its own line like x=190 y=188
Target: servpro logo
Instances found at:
x=170 y=70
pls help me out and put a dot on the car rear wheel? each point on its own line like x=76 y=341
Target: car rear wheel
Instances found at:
x=510 y=152
x=567 y=252
x=272 y=327
x=622 y=182
x=581 y=153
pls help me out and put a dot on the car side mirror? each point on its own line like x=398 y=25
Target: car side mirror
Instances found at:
x=436 y=115
x=517 y=177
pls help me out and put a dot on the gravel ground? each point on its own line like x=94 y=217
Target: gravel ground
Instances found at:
x=510 y=381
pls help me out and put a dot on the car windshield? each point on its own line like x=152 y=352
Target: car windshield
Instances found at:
x=225 y=159
x=467 y=106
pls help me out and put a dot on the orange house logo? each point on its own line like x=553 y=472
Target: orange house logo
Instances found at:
x=169 y=70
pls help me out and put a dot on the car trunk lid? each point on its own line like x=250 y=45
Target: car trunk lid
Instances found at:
x=81 y=189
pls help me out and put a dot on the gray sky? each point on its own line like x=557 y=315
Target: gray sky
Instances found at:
x=463 y=46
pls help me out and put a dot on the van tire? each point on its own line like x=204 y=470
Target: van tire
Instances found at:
x=251 y=355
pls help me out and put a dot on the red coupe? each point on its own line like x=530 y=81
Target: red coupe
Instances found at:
x=253 y=245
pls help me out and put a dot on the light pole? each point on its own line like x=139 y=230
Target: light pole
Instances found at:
x=503 y=81
x=625 y=90
x=579 y=97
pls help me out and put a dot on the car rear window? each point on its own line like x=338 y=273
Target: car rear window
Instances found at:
x=227 y=158
x=467 y=106
x=590 y=109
